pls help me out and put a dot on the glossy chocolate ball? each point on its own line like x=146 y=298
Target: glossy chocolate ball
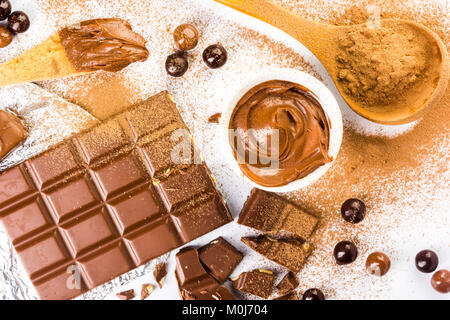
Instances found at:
x=353 y=211
x=441 y=281
x=427 y=261
x=186 y=37
x=345 y=252
x=18 y=22
x=313 y=294
x=215 y=56
x=177 y=64
x=378 y=264
x=5 y=9
x=6 y=37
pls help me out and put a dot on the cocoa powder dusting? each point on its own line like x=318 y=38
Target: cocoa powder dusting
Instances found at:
x=403 y=180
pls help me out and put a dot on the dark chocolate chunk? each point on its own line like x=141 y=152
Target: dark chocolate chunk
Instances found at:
x=290 y=253
x=345 y=252
x=12 y=132
x=273 y=214
x=220 y=258
x=427 y=261
x=126 y=295
x=288 y=283
x=90 y=204
x=194 y=282
x=146 y=291
x=160 y=273
x=257 y=282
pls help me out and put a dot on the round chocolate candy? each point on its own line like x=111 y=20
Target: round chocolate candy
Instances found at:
x=177 y=64
x=441 y=281
x=345 y=252
x=6 y=37
x=427 y=261
x=378 y=264
x=313 y=294
x=18 y=22
x=215 y=56
x=353 y=211
x=5 y=9
x=186 y=37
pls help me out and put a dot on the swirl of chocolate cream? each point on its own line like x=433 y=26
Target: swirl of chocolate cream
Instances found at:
x=302 y=127
x=102 y=44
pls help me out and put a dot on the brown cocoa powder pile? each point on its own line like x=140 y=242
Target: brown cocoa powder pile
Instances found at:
x=377 y=65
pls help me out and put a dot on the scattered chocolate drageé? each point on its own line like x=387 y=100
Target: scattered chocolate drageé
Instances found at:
x=353 y=211
x=215 y=56
x=186 y=37
x=378 y=264
x=427 y=261
x=345 y=252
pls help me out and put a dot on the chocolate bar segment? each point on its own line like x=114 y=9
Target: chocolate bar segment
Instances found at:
x=257 y=282
x=12 y=132
x=290 y=253
x=288 y=283
x=220 y=258
x=194 y=282
x=288 y=296
x=270 y=213
x=89 y=209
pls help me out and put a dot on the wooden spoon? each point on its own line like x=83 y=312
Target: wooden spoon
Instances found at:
x=323 y=41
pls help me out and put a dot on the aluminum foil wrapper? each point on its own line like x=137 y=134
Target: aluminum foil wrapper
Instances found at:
x=49 y=120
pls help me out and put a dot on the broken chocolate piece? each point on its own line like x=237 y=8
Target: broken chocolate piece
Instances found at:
x=215 y=118
x=290 y=253
x=270 y=213
x=288 y=296
x=288 y=283
x=126 y=295
x=12 y=132
x=194 y=282
x=220 y=258
x=160 y=274
x=146 y=290
x=257 y=282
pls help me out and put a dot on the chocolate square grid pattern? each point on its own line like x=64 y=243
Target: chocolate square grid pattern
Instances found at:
x=107 y=201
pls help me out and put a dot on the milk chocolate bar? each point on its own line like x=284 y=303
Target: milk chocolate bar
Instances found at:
x=107 y=201
x=220 y=258
x=12 y=132
x=257 y=282
x=194 y=282
x=290 y=253
x=273 y=214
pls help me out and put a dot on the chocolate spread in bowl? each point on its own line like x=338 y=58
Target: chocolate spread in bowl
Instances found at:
x=102 y=44
x=297 y=118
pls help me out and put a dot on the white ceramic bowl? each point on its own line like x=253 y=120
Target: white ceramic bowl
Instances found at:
x=321 y=93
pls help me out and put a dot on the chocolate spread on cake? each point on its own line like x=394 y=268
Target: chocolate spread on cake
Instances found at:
x=102 y=44
x=303 y=131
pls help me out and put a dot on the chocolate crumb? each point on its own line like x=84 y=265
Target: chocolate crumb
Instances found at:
x=160 y=273
x=146 y=290
x=215 y=118
x=257 y=282
x=126 y=295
